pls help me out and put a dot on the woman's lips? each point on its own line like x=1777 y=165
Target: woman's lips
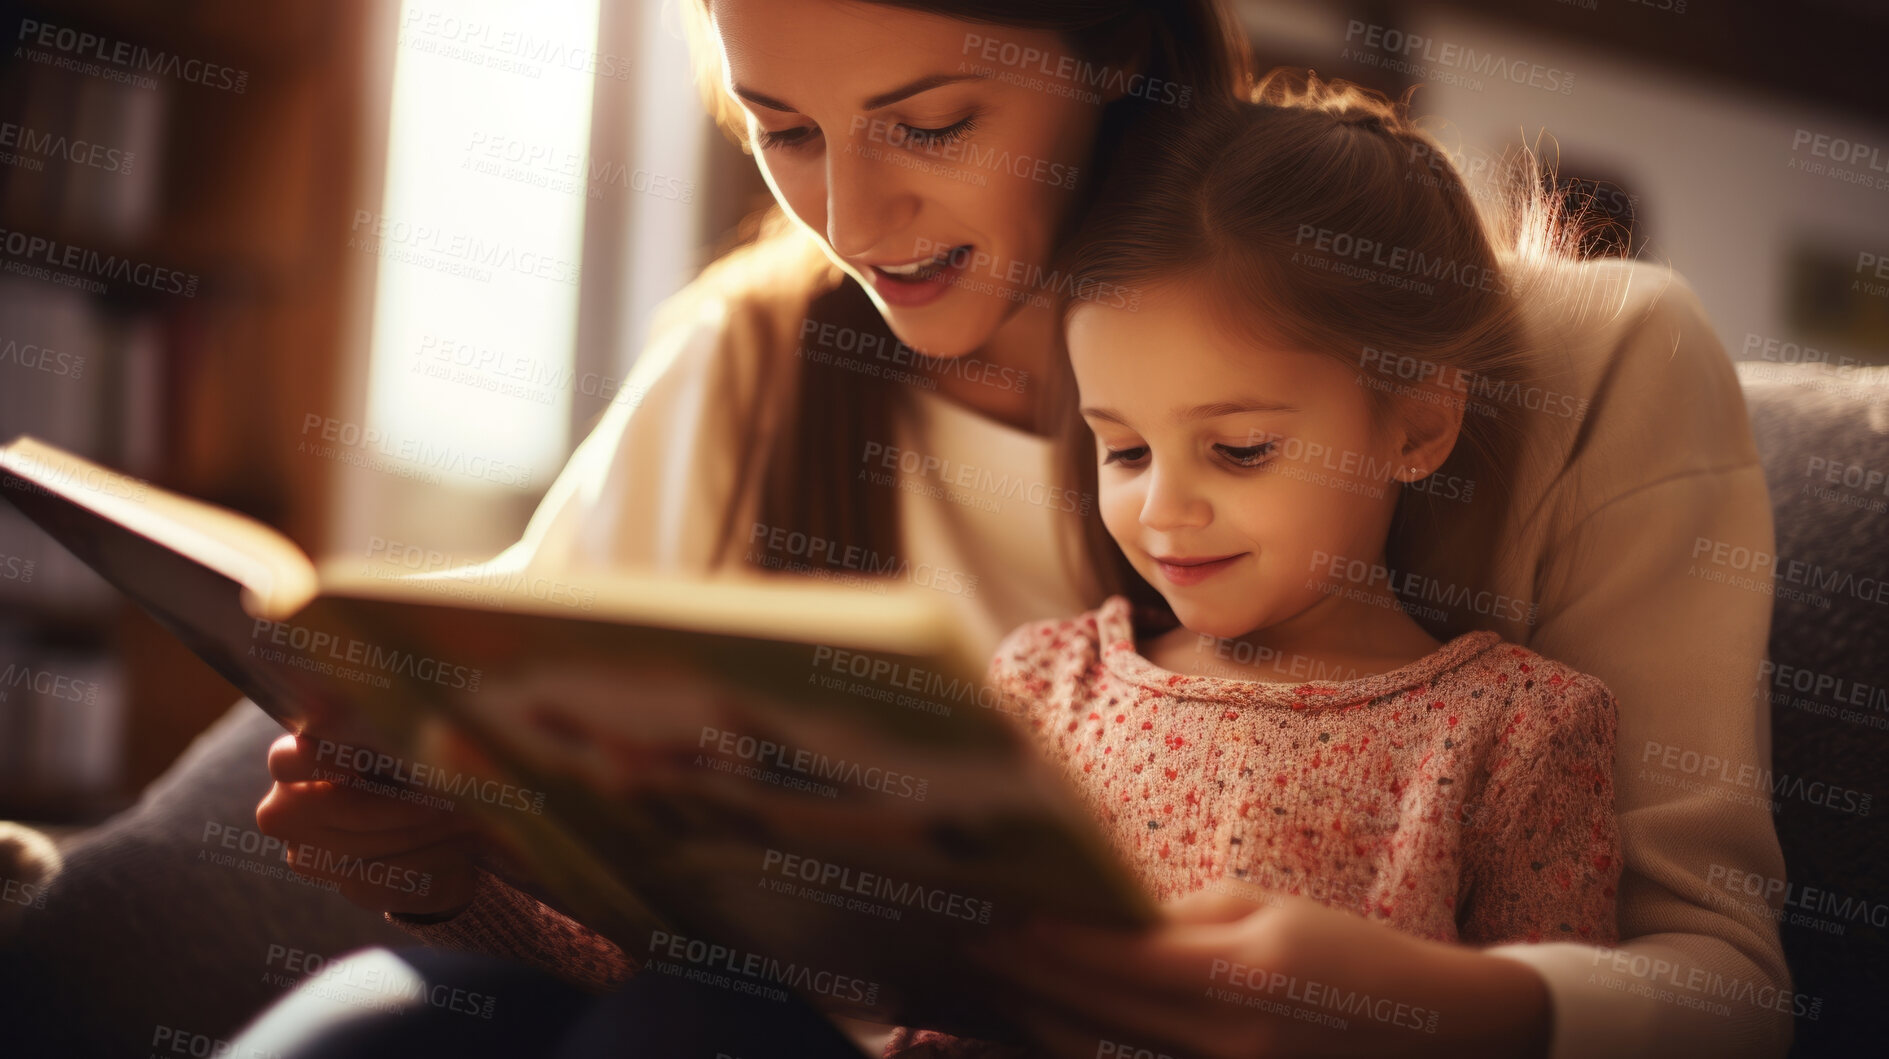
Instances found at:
x=1192 y=571
x=923 y=287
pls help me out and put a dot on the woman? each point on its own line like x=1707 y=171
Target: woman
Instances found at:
x=928 y=158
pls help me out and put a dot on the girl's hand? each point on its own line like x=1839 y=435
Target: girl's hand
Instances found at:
x=1224 y=977
x=384 y=853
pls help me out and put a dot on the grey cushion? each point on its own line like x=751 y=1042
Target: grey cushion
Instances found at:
x=1824 y=438
x=144 y=930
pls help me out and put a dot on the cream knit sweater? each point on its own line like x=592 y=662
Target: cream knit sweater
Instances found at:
x=1637 y=488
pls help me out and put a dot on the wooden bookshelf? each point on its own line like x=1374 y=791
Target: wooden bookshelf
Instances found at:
x=249 y=193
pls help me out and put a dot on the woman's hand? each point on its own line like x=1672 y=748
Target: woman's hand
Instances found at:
x=1227 y=977
x=385 y=854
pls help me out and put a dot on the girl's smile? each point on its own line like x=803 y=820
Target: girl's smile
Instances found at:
x=1183 y=571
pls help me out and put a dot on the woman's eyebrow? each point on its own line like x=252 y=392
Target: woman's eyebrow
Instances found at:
x=923 y=84
x=883 y=99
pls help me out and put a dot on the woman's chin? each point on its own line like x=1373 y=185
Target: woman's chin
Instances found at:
x=937 y=334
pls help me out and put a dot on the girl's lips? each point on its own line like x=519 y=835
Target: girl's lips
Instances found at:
x=923 y=288
x=1193 y=571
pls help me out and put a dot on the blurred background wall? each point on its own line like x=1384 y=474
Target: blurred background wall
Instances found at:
x=368 y=269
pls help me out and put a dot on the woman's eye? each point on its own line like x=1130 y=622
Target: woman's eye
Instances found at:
x=1247 y=455
x=1126 y=457
x=771 y=140
x=951 y=133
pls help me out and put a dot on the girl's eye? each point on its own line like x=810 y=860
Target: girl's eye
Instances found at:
x=1247 y=455
x=951 y=133
x=785 y=138
x=1126 y=457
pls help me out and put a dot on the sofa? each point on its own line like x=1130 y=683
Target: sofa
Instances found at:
x=147 y=933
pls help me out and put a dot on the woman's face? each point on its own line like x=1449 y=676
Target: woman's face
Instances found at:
x=937 y=160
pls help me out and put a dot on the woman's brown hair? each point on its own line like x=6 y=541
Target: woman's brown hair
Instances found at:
x=806 y=480
x=1323 y=220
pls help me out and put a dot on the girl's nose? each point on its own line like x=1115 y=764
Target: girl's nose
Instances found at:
x=866 y=200
x=1173 y=502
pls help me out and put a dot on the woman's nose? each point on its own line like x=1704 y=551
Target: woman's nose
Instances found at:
x=866 y=201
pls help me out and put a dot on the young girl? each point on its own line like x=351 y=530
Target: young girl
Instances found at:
x=1270 y=719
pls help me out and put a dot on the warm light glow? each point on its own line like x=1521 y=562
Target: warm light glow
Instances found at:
x=480 y=238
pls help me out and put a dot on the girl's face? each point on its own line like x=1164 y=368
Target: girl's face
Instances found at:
x=933 y=157
x=1237 y=480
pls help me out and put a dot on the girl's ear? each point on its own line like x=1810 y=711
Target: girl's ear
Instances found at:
x=1432 y=420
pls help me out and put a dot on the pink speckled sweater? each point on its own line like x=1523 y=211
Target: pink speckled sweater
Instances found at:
x=1466 y=797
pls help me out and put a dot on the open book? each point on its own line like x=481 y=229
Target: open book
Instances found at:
x=772 y=784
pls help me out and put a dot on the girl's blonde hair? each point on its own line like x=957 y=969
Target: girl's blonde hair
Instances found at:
x=1322 y=219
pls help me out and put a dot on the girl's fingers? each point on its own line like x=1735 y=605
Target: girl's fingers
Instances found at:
x=292 y=759
x=435 y=879
x=307 y=813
